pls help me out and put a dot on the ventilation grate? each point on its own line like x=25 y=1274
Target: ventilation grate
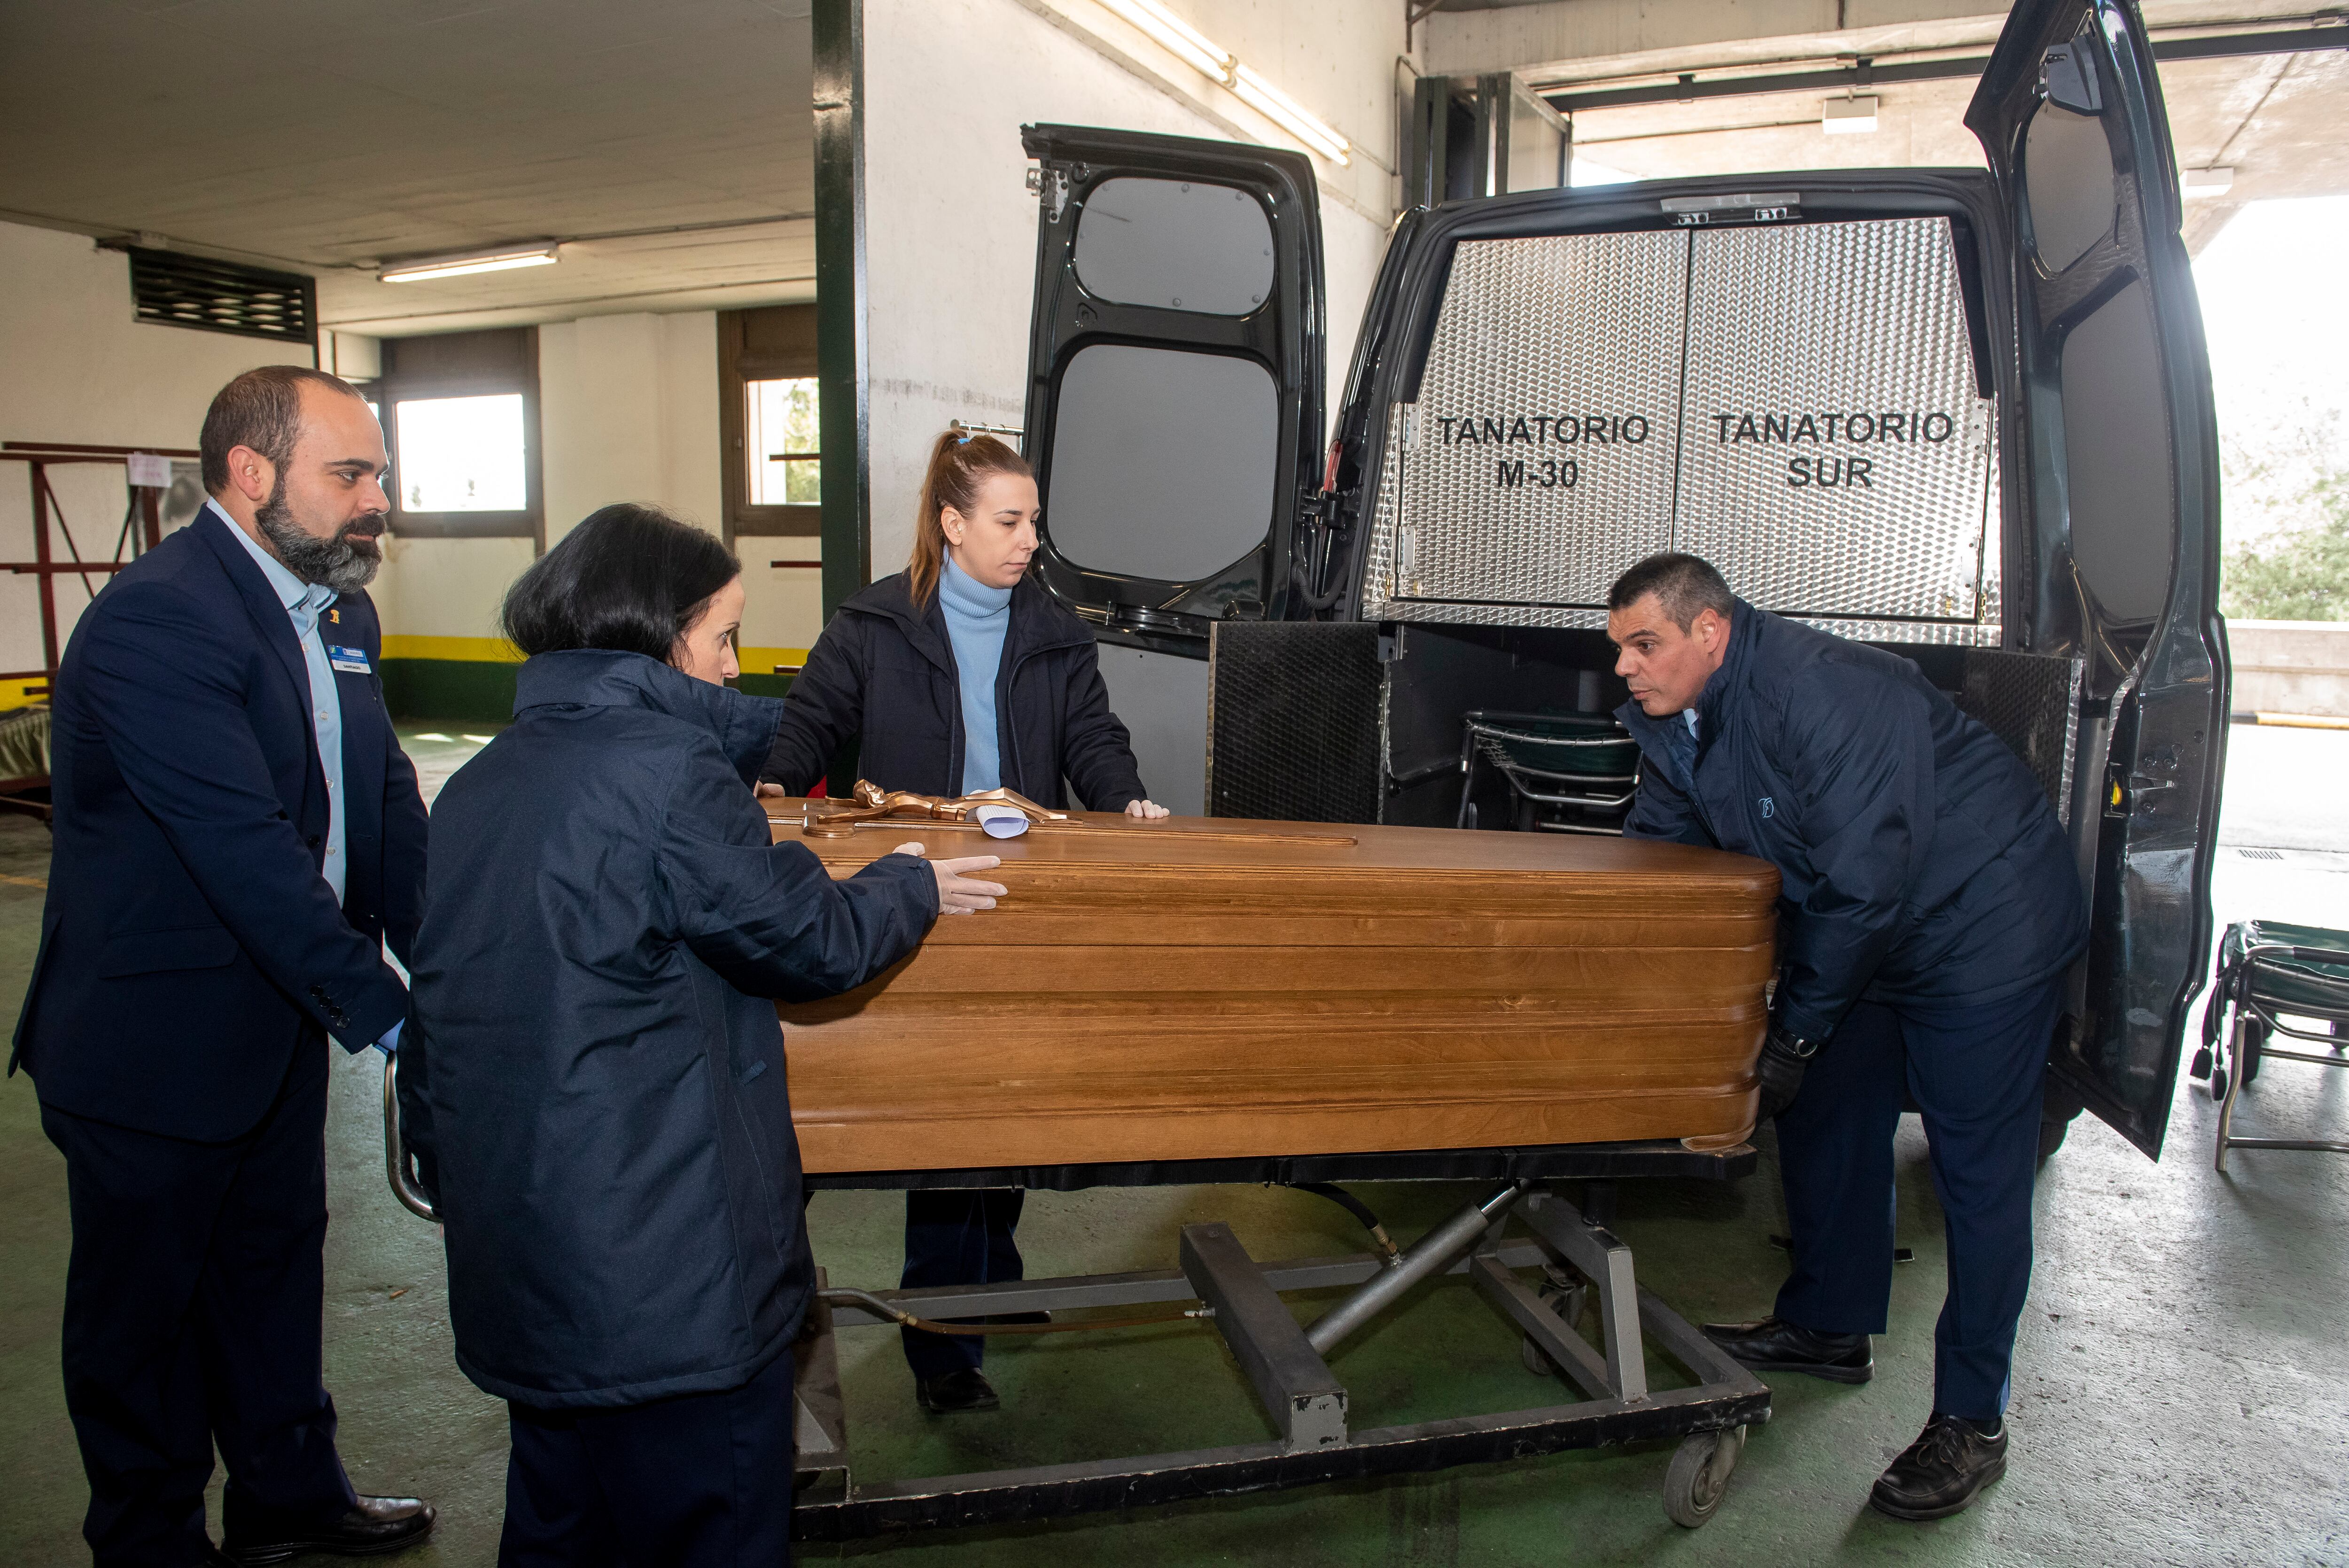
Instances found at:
x=2260 y=854
x=1293 y=720
x=176 y=289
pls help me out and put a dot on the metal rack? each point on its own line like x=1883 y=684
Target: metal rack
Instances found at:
x=1583 y=764
x=1578 y=1265
x=141 y=529
x=2266 y=970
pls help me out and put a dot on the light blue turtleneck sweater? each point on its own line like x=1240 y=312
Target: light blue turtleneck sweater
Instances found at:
x=977 y=618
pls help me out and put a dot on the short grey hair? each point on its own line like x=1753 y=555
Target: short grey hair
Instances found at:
x=1684 y=586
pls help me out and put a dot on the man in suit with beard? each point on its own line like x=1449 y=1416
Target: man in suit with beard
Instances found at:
x=237 y=835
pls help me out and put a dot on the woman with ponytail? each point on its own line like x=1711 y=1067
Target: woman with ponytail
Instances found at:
x=956 y=675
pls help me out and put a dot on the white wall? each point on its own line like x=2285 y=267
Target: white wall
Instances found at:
x=79 y=368
x=442 y=588
x=2290 y=666
x=628 y=411
x=950 y=235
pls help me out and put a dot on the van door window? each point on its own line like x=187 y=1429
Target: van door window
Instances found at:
x=2117 y=449
x=1163 y=460
x=2068 y=181
x=1177 y=245
x=1174 y=366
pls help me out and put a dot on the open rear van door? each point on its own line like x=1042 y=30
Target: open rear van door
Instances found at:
x=2114 y=555
x=1173 y=412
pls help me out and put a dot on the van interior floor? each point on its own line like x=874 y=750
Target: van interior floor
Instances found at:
x=2178 y=1394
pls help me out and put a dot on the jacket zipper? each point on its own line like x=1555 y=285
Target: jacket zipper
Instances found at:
x=1003 y=697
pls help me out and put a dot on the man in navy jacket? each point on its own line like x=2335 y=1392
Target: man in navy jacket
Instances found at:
x=1928 y=910
x=238 y=834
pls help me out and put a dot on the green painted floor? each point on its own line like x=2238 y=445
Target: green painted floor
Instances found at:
x=2181 y=1392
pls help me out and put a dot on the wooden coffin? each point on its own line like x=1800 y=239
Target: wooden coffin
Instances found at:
x=1200 y=988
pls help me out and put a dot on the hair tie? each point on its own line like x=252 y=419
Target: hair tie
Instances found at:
x=962 y=438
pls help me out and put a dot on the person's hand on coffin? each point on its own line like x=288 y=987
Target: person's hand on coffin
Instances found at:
x=1148 y=810
x=770 y=791
x=959 y=891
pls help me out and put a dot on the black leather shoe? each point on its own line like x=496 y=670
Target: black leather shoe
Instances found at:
x=377 y=1526
x=1943 y=1471
x=1773 y=1345
x=956 y=1392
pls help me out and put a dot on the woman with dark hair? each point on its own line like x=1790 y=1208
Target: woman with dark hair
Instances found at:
x=592 y=1077
x=961 y=674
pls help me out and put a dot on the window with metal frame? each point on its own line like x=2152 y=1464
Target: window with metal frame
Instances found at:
x=459 y=415
x=768 y=426
x=781 y=442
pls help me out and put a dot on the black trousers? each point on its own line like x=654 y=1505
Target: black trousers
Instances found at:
x=193 y=1303
x=701 y=1480
x=1977 y=1074
x=957 y=1235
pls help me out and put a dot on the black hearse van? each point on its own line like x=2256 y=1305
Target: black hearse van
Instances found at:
x=1963 y=414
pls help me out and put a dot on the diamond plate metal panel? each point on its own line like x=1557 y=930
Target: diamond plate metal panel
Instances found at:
x=1989 y=607
x=1936 y=634
x=2032 y=702
x=1548 y=419
x=1836 y=456
x=1386 y=512
x=1433 y=612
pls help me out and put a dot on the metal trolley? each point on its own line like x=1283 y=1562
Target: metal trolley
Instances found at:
x=1541 y=1262
x=1584 y=767
x=2267 y=969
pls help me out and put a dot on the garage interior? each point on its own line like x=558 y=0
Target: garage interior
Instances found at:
x=2178 y=1375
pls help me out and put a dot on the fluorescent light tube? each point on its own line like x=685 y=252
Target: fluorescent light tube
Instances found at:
x=459 y=266
x=1178 y=37
x=1848 y=115
x=1279 y=105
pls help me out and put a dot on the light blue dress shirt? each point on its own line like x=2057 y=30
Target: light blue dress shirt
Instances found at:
x=304 y=602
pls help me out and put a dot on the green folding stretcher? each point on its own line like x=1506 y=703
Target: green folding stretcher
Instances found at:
x=2268 y=972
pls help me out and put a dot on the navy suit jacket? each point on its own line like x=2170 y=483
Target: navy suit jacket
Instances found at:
x=189 y=944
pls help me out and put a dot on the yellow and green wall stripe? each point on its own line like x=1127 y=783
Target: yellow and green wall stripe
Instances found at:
x=473 y=677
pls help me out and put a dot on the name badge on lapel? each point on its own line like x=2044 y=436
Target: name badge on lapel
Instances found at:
x=355 y=660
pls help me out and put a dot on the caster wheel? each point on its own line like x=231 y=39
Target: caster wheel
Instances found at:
x=2217 y=1084
x=1699 y=1477
x=2255 y=1039
x=2202 y=1064
x=1568 y=1305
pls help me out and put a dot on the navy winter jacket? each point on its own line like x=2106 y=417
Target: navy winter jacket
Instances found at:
x=1919 y=859
x=886 y=672
x=592 y=1072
